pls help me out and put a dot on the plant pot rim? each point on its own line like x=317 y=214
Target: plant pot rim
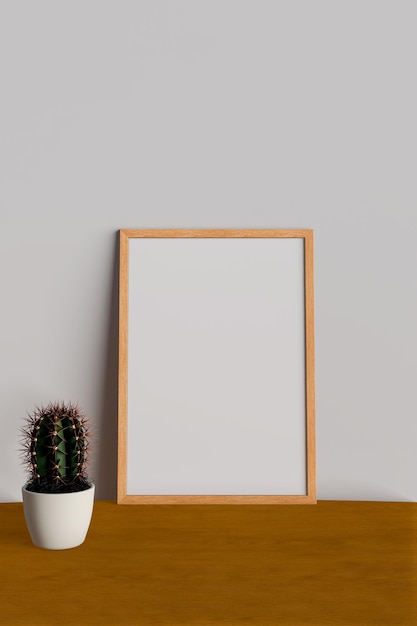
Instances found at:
x=51 y=493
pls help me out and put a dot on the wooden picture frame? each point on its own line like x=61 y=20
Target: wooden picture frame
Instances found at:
x=216 y=367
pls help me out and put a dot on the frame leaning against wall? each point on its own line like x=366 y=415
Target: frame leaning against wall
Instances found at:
x=216 y=367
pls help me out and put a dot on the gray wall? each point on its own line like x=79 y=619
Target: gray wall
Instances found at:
x=212 y=113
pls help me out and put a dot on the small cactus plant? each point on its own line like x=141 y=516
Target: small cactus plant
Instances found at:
x=55 y=448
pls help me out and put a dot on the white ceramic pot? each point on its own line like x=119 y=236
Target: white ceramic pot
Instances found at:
x=58 y=521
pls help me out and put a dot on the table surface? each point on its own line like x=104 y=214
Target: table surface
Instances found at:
x=336 y=563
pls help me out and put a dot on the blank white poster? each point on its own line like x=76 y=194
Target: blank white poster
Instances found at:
x=216 y=367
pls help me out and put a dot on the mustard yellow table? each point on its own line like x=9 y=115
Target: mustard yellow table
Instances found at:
x=334 y=563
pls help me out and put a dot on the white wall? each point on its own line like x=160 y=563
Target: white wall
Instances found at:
x=212 y=113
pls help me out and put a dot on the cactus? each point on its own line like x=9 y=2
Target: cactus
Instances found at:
x=55 y=448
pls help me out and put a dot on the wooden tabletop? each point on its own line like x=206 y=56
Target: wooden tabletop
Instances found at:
x=334 y=563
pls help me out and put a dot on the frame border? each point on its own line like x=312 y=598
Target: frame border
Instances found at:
x=122 y=496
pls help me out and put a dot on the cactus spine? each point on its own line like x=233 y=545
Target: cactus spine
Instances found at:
x=55 y=448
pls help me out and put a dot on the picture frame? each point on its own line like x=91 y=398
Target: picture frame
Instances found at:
x=216 y=367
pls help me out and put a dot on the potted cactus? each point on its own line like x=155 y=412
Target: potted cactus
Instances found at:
x=58 y=497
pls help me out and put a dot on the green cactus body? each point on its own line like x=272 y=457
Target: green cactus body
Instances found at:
x=57 y=446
